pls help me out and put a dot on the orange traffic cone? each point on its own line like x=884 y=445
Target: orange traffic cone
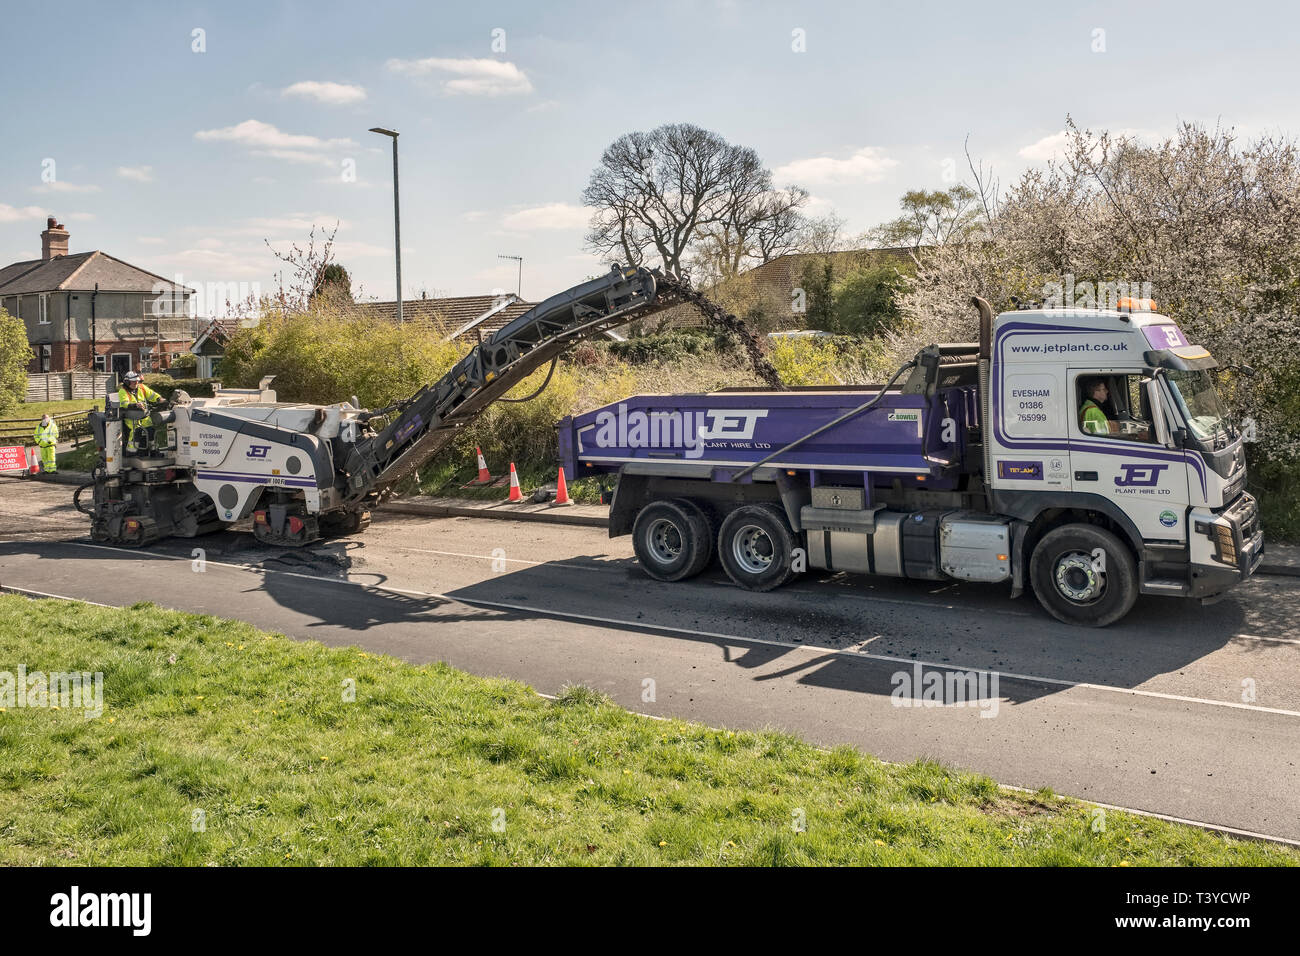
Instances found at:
x=562 y=490
x=515 y=493
x=484 y=478
x=33 y=460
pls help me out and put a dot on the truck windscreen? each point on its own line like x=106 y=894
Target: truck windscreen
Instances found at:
x=1199 y=404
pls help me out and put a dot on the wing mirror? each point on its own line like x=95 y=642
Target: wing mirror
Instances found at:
x=1157 y=406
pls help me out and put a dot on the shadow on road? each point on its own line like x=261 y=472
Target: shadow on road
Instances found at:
x=814 y=628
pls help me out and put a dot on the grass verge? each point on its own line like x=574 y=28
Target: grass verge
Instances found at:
x=251 y=734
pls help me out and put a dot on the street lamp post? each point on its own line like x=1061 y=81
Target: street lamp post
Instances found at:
x=519 y=284
x=397 y=217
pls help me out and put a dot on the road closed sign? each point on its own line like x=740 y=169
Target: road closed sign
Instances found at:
x=13 y=458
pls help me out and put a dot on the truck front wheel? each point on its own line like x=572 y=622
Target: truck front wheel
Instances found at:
x=671 y=540
x=1084 y=575
x=756 y=547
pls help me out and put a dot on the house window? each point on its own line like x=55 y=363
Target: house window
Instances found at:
x=98 y=363
x=43 y=309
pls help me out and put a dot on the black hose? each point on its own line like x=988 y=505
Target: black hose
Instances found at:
x=541 y=388
x=76 y=498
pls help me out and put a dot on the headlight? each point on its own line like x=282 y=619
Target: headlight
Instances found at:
x=1225 y=547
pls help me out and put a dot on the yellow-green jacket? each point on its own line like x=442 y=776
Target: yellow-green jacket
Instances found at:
x=1094 y=420
x=46 y=434
x=144 y=397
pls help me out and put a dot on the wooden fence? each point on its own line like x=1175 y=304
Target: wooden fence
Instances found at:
x=73 y=427
x=60 y=386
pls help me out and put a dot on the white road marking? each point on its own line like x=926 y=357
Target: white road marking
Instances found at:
x=1269 y=640
x=490 y=558
x=716 y=635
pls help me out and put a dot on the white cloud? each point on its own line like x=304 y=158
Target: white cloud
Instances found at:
x=474 y=215
x=1053 y=146
x=332 y=94
x=295 y=222
x=1045 y=148
x=20 y=213
x=867 y=165
x=474 y=77
x=263 y=139
x=353 y=250
x=60 y=186
x=556 y=215
x=139 y=174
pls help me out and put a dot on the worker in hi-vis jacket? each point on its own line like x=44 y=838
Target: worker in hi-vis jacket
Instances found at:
x=46 y=437
x=134 y=393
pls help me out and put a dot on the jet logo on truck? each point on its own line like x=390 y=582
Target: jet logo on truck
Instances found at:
x=257 y=451
x=733 y=424
x=1139 y=475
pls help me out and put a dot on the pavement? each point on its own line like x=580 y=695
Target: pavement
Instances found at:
x=1184 y=710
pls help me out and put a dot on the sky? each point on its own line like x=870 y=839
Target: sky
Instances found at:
x=184 y=137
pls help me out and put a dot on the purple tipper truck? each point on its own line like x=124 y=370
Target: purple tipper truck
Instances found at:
x=972 y=463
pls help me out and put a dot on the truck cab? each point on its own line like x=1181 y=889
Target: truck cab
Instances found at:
x=1114 y=413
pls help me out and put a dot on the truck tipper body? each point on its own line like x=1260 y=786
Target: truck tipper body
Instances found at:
x=974 y=463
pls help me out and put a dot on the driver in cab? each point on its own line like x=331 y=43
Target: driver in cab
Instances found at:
x=1094 y=420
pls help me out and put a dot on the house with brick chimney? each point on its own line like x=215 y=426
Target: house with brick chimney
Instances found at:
x=90 y=310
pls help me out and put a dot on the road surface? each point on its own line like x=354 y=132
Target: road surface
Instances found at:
x=1182 y=710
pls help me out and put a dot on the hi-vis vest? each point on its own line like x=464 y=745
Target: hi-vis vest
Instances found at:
x=46 y=434
x=1093 y=419
x=143 y=397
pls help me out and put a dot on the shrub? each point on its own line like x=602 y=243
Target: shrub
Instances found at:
x=325 y=359
x=668 y=346
x=864 y=302
x=839 y=360
x=15 y=353
x=165 y=385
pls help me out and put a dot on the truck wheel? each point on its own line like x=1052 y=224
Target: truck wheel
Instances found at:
x=710 y=530
x=756 y=547
x=1083 y=574
x=671 y=540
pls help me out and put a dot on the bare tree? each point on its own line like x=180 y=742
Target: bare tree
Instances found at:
x=306 y=268
x=821 y=236
x=681 y=189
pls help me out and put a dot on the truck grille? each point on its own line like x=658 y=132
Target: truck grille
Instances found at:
x=1232 y=490
x=1245 y=514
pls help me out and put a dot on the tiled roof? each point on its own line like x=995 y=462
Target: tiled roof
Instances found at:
x=82 y=272
x=11 y=272
x=450 y=313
